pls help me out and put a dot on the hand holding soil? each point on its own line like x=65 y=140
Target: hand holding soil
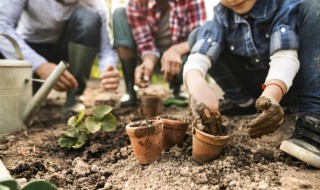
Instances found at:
x=142 y=75
x=270 y=119
x=203 y=118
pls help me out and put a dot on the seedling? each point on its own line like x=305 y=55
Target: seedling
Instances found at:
x=82 y=128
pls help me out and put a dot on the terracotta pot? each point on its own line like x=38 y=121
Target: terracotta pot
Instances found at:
x=174 y=132
x=151 y=105
x=146 y=140
x=206 y=147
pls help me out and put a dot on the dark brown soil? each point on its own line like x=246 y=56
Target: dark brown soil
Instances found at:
x=107 y=161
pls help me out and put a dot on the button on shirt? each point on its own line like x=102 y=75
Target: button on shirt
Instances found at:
x=144 y=17
x=270 y=26
x=39 y=21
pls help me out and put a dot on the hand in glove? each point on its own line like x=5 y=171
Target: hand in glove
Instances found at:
x=270 y=118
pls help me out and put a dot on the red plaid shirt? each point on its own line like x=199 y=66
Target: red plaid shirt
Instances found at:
x=144 y=17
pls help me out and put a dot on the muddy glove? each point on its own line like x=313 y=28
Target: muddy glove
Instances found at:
x=270 y=118
x=203 y=118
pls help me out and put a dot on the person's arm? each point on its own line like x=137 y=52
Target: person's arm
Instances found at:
x=194 y=73
x=137 y=12
x=10 y=12
x=171 y=62
x=284 y=66
x=109 y=74
x=143 y=72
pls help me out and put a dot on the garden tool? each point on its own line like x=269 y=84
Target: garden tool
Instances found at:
x=81 y=60
x=17 y=105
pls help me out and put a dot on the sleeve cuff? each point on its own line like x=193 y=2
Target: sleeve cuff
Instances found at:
x=197 y=61
x=284 y=66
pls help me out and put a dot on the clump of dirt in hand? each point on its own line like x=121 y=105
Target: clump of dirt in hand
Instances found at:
x=205 y=120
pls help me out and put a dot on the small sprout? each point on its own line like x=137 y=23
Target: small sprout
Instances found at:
x=82 y=128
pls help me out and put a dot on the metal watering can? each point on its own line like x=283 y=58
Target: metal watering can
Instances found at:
x=16 y=102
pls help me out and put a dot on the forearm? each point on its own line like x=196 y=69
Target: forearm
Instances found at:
x=182 y=48
x=149 y=59
x=275 y=89
x=193 y=80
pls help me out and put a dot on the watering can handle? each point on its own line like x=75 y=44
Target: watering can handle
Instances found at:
x=15 y=45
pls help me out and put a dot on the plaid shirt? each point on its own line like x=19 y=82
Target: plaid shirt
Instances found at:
x=144 y=17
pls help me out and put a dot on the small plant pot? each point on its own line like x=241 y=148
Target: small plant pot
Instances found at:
x=206 y=147
x=151 y=105
x=146 y=140
x=174 y=131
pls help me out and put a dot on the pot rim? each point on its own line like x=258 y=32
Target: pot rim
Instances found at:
x=212 y=139
x=177 y=124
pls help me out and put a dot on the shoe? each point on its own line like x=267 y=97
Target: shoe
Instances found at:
x=128 y=100
x=304 y=144
x=229 y=108
x=74 y=105
x=128 y=68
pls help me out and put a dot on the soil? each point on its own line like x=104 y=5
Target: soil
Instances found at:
x=108 y=162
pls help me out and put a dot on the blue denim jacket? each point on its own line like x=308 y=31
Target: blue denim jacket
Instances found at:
x=268 y=27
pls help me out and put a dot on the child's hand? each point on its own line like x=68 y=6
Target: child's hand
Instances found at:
x=270 y=119
x=203 y=118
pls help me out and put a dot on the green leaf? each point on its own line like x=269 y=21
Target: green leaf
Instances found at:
x=2 y=187
x=66 y=142
x=101 y=111
x=81 y=115
x=109 y=123
x=39 y=184
x=92 y=125
x=71 y=132
x=81 y=141
x=72 y=121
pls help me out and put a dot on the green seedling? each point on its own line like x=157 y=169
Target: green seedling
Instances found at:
x=82 y=128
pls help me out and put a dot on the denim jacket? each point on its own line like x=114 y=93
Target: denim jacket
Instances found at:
x=269 y=26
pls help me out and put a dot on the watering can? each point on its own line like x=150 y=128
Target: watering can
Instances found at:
x=16 y=102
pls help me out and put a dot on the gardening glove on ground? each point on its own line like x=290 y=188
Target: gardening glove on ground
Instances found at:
x=270 y=118
x=203 y=118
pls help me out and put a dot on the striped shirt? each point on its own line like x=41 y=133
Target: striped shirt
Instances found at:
x=144 y=17
x=42 y=21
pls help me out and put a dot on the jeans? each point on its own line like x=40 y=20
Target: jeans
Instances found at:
x=240 y=84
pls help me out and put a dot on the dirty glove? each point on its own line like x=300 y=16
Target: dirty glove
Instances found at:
x=270 y=118
x=203 y=118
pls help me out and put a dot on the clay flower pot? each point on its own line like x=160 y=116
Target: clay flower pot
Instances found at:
x=146 y=140
x=151 y=105
x=206 y=147
x=174 y=131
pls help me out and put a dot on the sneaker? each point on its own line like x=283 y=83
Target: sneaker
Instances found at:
x=304 y=144
x=229 y=108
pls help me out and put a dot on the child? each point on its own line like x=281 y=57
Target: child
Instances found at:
x=274 y=44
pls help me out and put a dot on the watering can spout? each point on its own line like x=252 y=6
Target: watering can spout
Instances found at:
x=43 y=92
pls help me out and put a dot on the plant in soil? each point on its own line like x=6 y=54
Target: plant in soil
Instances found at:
x=81 y=127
